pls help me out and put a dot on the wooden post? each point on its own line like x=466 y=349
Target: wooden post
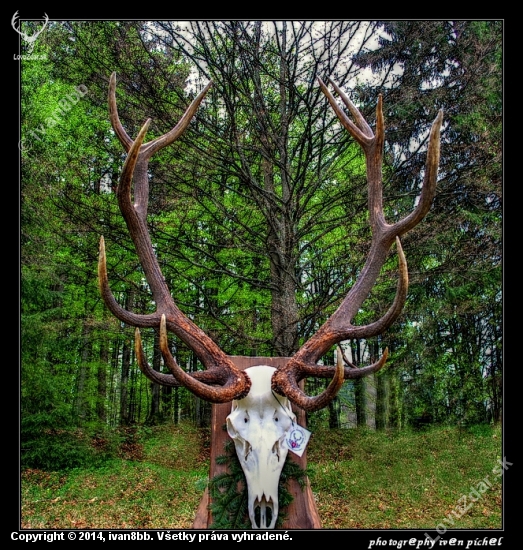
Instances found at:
x=302 y=512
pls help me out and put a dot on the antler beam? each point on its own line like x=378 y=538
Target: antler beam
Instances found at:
x=233 y=384
x=339 y=326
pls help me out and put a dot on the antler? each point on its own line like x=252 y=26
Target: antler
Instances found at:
x=26 y=37
x=232 y=383
x=35 y=35
x=220 y=371
x=339 y=326
x=13 y=22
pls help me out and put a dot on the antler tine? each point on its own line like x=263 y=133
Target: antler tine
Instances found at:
x=154 y=376
x=115 y=308
x=345 y=358
x=13 y=20
x=230 y=384
x=197 y=382
x=429 y=180
x=220 y=369
x=360 y=130
x=124 y=138
x=168 y=138
x=361 y=123
x=46 y=20
x=295 y=394
x=373 y=329
x=160 y=142
x=339 y=326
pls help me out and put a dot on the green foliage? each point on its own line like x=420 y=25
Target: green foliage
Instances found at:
x=229 y=492
x=56 y=450
x=259 y=191
x=229 y=505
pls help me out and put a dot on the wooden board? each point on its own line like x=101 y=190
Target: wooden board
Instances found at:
x=302 y=513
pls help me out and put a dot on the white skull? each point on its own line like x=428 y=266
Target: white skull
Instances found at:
x=258 y=425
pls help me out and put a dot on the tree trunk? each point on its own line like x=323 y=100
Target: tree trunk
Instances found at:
x=176 y=412
x=382 y=401
x=334 y=412
x=395 y=409
x=154 y=415
x=284 y=308
x=101 y=376
x=83 y=372
x=369 y=384
x=359 y=387
x=124 y=382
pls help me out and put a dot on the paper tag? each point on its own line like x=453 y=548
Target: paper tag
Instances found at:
x=297 y=439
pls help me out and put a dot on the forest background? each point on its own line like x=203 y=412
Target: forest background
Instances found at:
x=258 y=214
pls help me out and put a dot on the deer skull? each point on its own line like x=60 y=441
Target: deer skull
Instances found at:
x=258 y=425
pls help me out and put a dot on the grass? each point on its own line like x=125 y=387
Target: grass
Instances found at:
x=160 y=487
x=361 y=480
x=406 y=480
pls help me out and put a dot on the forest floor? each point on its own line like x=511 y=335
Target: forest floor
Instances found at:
x=361 y=479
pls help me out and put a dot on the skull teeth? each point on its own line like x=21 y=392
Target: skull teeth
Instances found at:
x=263 y=513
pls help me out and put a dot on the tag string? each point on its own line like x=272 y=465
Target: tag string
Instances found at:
x=282 y=407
